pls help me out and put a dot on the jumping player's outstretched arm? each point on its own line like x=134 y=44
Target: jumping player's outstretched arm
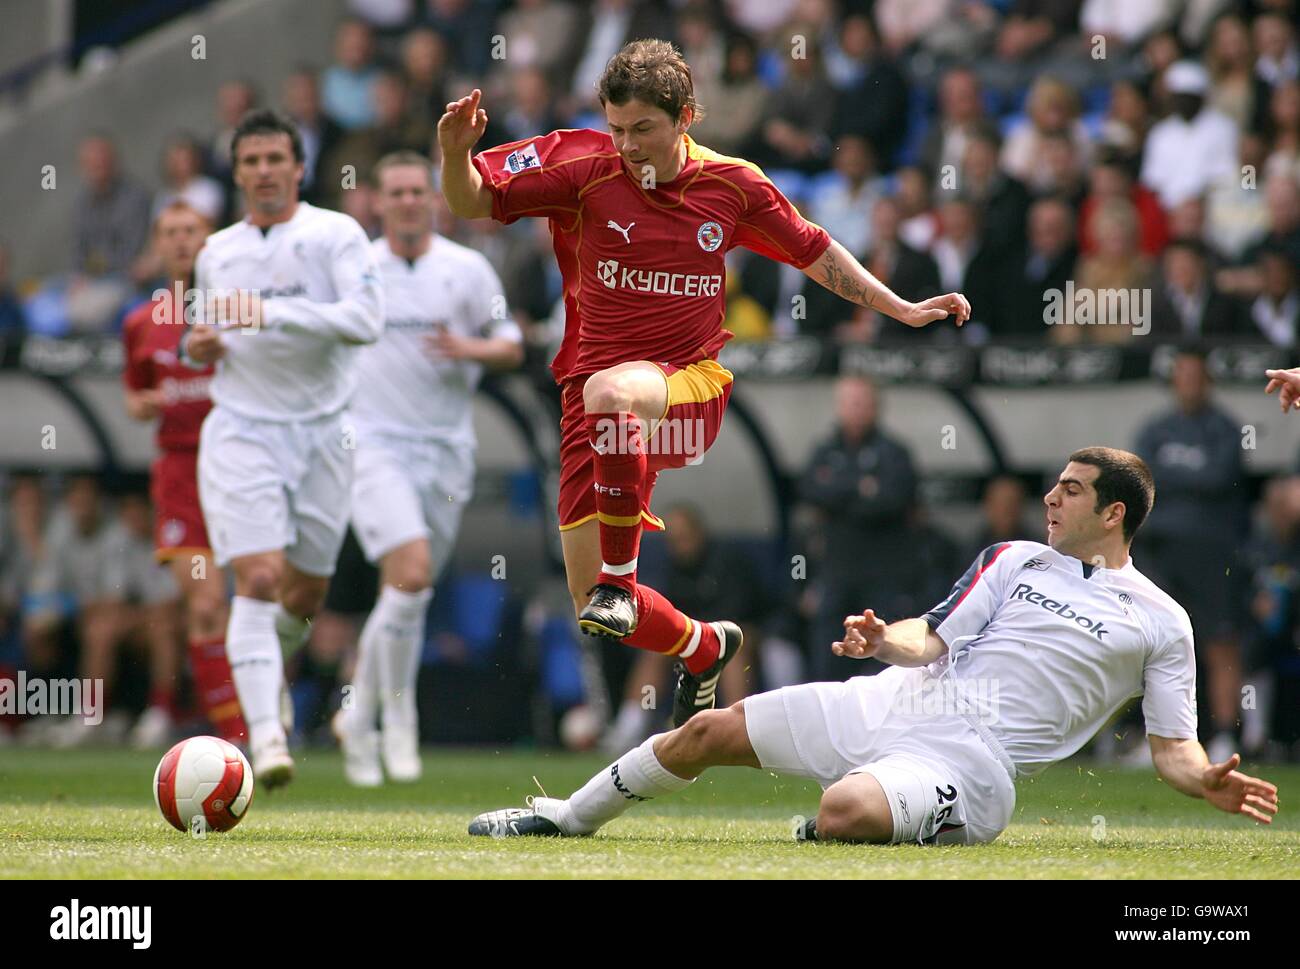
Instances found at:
x=837 y=270
x=458 y=131
x=1184 y=765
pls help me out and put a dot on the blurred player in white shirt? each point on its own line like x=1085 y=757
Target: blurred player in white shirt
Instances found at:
x=290 y=292
x=445 y=324
x=1032 y=652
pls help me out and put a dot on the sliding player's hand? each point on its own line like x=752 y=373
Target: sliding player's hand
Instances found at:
x=1288 y=382
x=1229 y=790
x=863 y=636
x=937 y=308
x=462 y=125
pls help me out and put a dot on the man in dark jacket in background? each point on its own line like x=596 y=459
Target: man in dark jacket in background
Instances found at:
x=862 y=483
x=1046 y=261
x=1193 y=535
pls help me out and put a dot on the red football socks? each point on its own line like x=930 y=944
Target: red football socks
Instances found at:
x=216 y=688
x=620 y=469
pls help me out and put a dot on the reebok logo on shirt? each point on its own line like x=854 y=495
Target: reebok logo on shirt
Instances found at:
x=1026 y=593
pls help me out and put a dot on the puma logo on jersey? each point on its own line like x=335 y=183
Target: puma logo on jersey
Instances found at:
x=611 y=224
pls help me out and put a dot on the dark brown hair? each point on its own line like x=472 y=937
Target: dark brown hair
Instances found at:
x=652 y=71
x=1121 y=476
x=265 y=121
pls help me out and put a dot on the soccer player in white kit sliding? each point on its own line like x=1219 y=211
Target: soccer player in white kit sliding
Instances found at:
x=445 y=324
x=292 y=290
x=1026 y=659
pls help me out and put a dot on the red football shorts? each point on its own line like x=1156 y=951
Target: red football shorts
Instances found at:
x=697 y=398
x=178 y=527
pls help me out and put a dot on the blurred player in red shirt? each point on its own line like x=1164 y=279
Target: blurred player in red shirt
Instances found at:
x=641 y=220
x=159 y=387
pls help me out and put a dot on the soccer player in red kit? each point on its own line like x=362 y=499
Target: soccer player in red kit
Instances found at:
x=160 y=387
x=641 y=219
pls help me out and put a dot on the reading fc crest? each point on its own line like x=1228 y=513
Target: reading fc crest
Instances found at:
x=709 y=236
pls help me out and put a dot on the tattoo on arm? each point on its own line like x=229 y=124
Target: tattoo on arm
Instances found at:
x=838 y=281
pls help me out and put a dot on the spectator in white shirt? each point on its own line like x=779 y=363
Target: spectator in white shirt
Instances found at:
x=1192 y=147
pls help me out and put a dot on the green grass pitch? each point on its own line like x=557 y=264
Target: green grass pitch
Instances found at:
x=90 y=814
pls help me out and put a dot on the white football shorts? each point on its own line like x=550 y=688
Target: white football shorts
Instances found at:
x=268 y=485
x=407 y=488
x=946 y=783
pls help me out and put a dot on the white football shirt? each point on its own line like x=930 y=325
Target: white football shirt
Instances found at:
x=402 y=387
x=321 y=298
x=1050 y=647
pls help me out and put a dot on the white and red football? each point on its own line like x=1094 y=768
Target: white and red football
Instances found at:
x=203 y=778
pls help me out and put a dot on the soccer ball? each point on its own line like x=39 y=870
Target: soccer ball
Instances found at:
x=203 y=784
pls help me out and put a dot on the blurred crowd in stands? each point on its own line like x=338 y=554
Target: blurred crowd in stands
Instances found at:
x=997 y=147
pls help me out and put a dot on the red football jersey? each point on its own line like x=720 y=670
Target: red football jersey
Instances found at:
x=152 y=363
x=643 y=267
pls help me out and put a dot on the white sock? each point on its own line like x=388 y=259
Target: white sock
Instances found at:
x=636 y=776
x=399 y=620
x=256 y=665
x=291 y=630
x=363 y=704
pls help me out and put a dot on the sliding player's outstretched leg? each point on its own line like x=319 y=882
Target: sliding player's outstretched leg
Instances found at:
x=664 y=764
